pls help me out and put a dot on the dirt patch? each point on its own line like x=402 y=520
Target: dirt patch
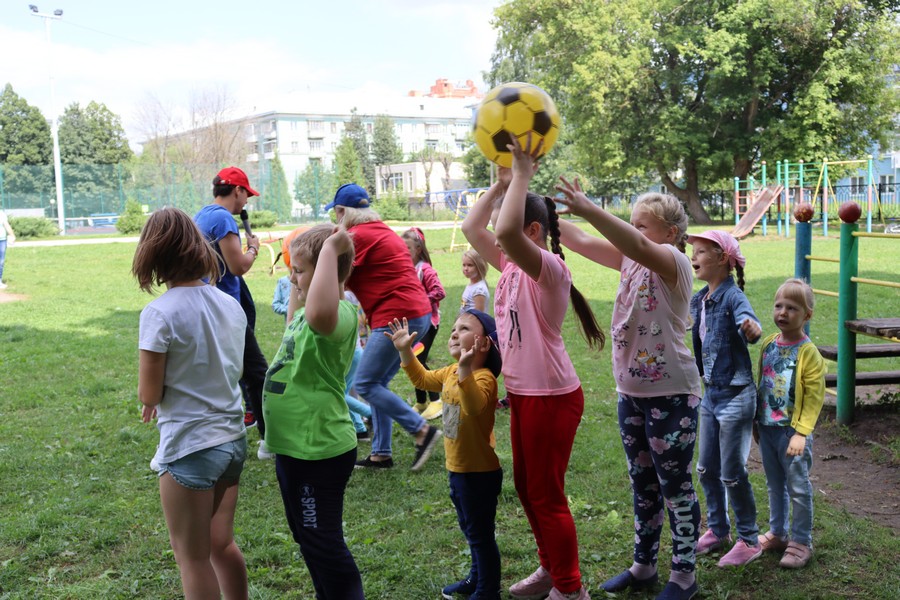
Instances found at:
x=10 y=297
x=858 y=466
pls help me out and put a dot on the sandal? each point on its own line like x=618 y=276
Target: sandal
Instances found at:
x=796 y=556
x=769 y=542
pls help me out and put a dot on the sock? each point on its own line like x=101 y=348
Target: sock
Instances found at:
x=684 y=579
x=642 y=571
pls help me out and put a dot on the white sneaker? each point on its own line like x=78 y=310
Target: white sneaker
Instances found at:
x=2 y=286
x=263 y=452
x=154 y=465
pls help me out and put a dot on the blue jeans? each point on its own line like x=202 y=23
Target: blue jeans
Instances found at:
x=2 y=257
x=725 y=432
x=201 y=470
x=380 y=362
x=358 y=409
x=787 y=479
x=475 y=497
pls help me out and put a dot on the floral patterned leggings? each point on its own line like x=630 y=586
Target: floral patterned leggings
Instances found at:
x=659 y=435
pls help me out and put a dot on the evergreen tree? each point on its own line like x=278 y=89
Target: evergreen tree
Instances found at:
x=278 y=198
x=315 y=187
x=356 y=131
x=26 y=148
x=347 y=166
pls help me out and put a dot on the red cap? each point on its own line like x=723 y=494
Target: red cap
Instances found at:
x=235 y=176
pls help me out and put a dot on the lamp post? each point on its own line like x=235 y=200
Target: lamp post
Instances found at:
x=54 y=121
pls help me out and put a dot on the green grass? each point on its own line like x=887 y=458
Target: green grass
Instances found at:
x=79 y=508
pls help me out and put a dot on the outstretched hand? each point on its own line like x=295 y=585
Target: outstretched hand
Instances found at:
x=574 y=199
x=525 y=160
x=751 y=330
x=466 y=356
x=400 y=334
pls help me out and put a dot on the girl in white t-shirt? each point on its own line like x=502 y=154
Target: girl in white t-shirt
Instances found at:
x=477 y=295
x=545 y=395
x=656 y=377
x=191 y=356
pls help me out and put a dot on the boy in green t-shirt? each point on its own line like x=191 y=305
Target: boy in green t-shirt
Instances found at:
x=309 y=429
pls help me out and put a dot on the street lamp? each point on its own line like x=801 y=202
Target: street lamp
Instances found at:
x=54 y=121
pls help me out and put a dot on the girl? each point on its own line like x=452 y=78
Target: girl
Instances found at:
x=723 y=323
x=476 y=295
x=418 y=251
x=791 y=392
x=656 y=377
x=202 y=440
x=545 y=395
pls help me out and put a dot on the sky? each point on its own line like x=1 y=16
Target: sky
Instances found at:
x=122 y=53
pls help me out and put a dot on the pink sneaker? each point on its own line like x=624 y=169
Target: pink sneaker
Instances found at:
x=770 y=542
x=536 y=586
x=708 y=542
x=581 y=594
x=741 y=554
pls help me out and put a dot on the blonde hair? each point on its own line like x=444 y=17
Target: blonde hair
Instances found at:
x=478 y=261
x=355 y=216
x=172 y=249
x=669 y=210
x=797 y=290
x=310 y=242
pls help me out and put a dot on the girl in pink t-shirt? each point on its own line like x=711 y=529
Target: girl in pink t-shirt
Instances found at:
x=545 y=396
x=656 y=377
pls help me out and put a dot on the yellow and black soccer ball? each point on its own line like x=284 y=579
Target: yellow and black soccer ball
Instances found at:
x=514 y=109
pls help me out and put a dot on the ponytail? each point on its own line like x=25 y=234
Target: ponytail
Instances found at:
x=590 y=329
x=739 y=272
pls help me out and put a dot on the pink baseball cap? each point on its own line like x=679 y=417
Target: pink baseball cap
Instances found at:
x=726 y=242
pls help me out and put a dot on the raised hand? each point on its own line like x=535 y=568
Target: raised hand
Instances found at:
x=466 y=356
x=574 y=199
x=340 y=240
x=400 y=335
x=525 y=160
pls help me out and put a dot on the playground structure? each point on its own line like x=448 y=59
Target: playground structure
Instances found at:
x=459 y=201
x=847 y=351
x=802 y=182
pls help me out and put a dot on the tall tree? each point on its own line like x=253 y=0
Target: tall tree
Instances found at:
x=386 y=150
x=477 y=167
x=315 y=187
x=356 y=131
x=278 y=198
x=698 y=92
x=347 y=167
x=427 y=156
x=26 y=148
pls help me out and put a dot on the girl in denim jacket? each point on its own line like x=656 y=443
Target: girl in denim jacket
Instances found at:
x=723 y=324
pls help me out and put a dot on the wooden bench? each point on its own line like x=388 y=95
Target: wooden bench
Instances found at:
x=887 y=329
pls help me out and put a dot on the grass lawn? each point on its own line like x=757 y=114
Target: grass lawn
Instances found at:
x=79 y=508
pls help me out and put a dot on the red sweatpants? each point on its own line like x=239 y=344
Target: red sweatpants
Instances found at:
x=542 y=430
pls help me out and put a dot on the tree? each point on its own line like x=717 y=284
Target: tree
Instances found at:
x=386 y=151
x=278 y=198
x=347 y=167
x=477 y=167
x=698 y=92
x=315 y=187
x=26 y=147
x=427 y=156
x=356 y=131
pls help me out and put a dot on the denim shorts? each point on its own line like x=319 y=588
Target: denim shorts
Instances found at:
x=201 y=470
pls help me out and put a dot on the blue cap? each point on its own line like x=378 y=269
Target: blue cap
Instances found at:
x=350 y=195
x=493 y=362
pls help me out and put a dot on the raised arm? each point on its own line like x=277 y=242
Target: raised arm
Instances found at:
x=474 y=226
x=325 y=290
x=591 y=247
x=510 y=226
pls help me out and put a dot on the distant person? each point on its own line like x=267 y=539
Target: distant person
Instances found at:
x=387 y=287
x=428 y=404
x=791 y=394
x=7 y=236
x=197 y=403
x=309 y=424
x=282 y=296
x=469 y=390
x=477 y=295
x=231 y=189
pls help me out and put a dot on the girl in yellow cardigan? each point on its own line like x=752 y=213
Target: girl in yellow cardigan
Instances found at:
x=791 y=392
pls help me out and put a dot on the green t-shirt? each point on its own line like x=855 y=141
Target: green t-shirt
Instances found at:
x=303 y=402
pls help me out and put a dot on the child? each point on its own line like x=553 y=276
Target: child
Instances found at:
x=202 y=439
x=418 y=251
x=791 y=393
x=545 y=395
x=310 y=430
x=476 y=295
x=723 y=323
x=469 y=389
x=7 y=237
x=282 y=296
x=656 y=377
x=358 y=410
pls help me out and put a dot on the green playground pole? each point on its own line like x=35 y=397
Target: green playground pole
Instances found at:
x=737 y=200
x=869 y=194
x=846 y=375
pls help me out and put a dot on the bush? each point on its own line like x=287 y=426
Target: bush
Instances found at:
x=259 y=219
x=392 y=207
x=132 y=219
x=33 y=227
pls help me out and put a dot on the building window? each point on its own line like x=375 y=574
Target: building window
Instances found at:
x=433 y=129
x=294 y=125
x=333 y=147
x=333 y=127
x=269 y=147
x=295 y=147
x=857 y=185
x=252 y=128
x=431 y=144
x=393 y=182
x=315 y=145
x=315 y=126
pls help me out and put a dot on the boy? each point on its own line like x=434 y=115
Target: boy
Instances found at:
x=469 y=394
x=310 y=430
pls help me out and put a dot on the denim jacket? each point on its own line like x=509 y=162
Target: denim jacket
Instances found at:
x=723 y=359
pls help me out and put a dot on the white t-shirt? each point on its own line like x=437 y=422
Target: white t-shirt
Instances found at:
x=201 y=331
x=472 y=290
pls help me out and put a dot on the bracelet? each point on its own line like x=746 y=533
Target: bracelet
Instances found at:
x=254 y=250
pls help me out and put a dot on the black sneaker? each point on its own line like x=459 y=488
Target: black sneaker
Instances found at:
x=466 y=586
x=368 y=463
x=424 y=450
x=363 y=436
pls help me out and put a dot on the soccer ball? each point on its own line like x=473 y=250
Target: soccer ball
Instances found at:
x=514 y=109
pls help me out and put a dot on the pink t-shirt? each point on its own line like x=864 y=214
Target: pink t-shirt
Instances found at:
x=529 y=328
x=649 y=323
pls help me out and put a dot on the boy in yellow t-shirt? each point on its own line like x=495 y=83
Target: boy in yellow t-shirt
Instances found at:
x=469 y=393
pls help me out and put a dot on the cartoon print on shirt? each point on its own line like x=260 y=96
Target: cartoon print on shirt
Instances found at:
x=511 y=287
x=650 y=364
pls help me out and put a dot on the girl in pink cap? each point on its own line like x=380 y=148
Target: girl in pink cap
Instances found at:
x=723 y=324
